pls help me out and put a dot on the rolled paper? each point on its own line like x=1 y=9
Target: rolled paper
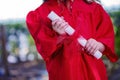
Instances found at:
x=83 y=41
x=52 y=16
x=69 y=30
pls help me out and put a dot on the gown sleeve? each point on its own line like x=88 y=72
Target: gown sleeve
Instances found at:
x=105 y=32
x=44 y=37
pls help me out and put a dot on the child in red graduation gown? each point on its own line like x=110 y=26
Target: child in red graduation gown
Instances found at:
x=65 y=58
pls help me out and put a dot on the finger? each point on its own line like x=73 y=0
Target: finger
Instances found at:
x=61 y=24
x=96 y=49
x=90 y=47
x=58 y=24
x=93 y=49
x=54 y=22
x=64 y=25
x=87 y=44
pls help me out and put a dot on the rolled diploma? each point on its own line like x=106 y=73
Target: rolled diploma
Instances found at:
x=69 y=30
x=83 y=42
x=52 y=16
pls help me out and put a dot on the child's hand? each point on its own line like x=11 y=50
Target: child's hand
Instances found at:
x=59 y=26
x=92 y=46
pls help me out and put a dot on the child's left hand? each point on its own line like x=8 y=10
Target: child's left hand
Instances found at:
x=92 y=46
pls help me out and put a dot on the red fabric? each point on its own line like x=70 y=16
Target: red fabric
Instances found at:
x=64 y=57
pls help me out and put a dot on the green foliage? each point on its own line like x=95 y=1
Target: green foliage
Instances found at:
x=14 y=28
x=116 y=17
x=116 y=21
x=115 y=29
x=30 y=39
x=17 y=26
x=117 y=45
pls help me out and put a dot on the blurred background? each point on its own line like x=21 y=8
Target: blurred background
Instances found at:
x=19 y=59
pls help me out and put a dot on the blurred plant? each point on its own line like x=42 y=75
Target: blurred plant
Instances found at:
x=32 y=48
x=13 y=36
x=116 y=21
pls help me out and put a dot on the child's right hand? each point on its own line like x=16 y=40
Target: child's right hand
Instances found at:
x=59 y=26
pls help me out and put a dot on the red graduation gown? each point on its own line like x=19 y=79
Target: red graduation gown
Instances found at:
x=64 y=57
